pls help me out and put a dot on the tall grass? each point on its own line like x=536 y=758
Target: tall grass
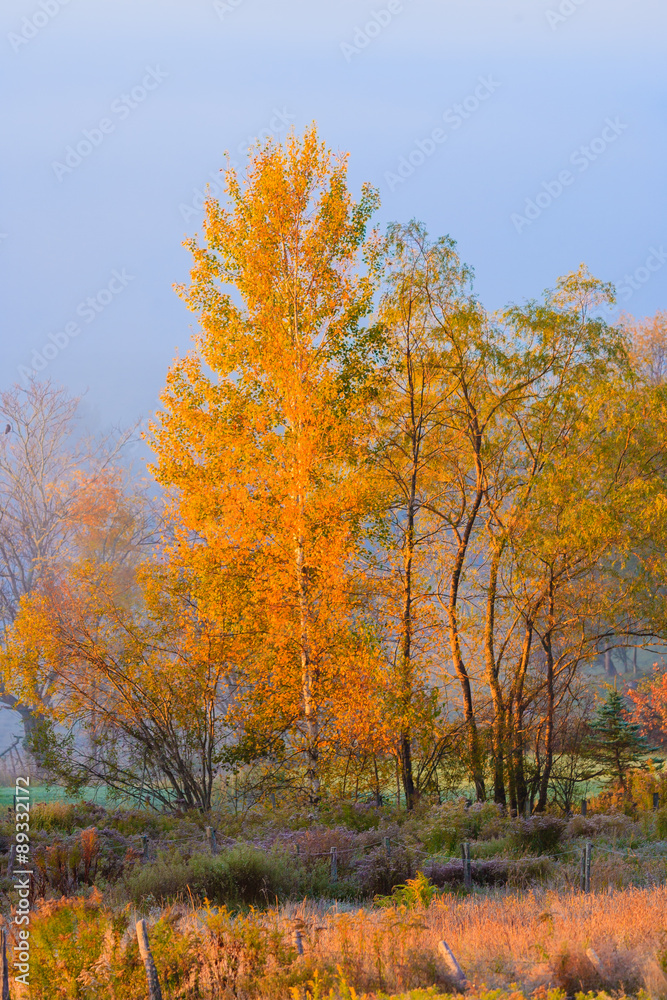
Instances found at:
x=534 y=942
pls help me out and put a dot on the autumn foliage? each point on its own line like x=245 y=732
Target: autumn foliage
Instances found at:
x=396 y=529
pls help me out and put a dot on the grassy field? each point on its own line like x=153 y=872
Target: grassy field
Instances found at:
x=51 y=793
x=223 y=923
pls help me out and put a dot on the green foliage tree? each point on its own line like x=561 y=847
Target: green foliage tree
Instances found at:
x=615 y=743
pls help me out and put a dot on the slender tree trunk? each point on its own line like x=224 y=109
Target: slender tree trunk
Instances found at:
x=517 y=735
x=308 y=679
x=549 y=726
x=511 y=772
x=474 y=746
x=406 y=678
x=492 y=671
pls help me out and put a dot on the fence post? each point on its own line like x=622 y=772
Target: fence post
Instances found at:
x=656 y=801
x=584 y=806
x=154 y=991
x=334 y=864
x=298 y=942
x=454 y=967
x=587 y=880
x=595 y=962
x=144 y=846
x=467 y=872
x=210 y=840
x=387 y=846
x=10 y=866
x=5 y=967
x=582 y=872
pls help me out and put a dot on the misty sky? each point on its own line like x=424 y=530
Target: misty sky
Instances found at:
x=532 y=131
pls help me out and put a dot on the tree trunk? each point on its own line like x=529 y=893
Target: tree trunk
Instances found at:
x=609 y=667
x=498 y=732
x=406 y=773
x=308 y=678
x=406 y=679
x=549 y=727
x=517 y=735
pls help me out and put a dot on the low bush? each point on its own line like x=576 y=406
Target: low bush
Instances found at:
x=497 y=871
x=377 y=872
x=65 y=817
x=541 y=834
x=241 y=875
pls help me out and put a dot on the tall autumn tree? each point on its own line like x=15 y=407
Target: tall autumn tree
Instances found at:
x=411 y=438
x=257 y=440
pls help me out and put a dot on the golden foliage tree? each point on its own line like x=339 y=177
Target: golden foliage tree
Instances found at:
x=258 y=440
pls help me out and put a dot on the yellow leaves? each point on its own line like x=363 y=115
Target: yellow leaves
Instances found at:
x=259 y=439
x=648 y=346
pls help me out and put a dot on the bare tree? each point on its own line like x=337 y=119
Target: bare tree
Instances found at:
x=48 y=470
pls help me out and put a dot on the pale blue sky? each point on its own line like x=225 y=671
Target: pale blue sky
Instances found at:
x=555 y=75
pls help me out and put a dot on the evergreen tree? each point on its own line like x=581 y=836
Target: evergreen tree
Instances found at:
x=615 y=743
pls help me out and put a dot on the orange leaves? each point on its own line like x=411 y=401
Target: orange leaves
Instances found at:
x=650 y=702
x=257 y=440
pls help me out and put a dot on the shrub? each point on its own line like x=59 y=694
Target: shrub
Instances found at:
x=377 y=872
x=417 y=893
x=661 y=823
x=358 y=816
x=540 y=834
x=614 y=825
x=65 y=817
x=242 y=875
x=499 y=871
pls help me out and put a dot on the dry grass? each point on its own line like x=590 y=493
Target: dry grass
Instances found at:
x=538 y=940
x=516 y=943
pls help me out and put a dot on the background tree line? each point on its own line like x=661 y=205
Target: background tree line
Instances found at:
x=393 y=528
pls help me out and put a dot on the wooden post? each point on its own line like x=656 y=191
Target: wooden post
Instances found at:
x=210 y=840
x=334 y=864
x=144 y=845
x=582 y=872
x=467 y=871
x=298 y=942
x=584 y=806
x=387 y=846
x=656 y=801
x=10 y=866
x=5 y=967
x=587 y=879
x=154 y=991
x=455 y=969
x=595 y=962
x=528 y=809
